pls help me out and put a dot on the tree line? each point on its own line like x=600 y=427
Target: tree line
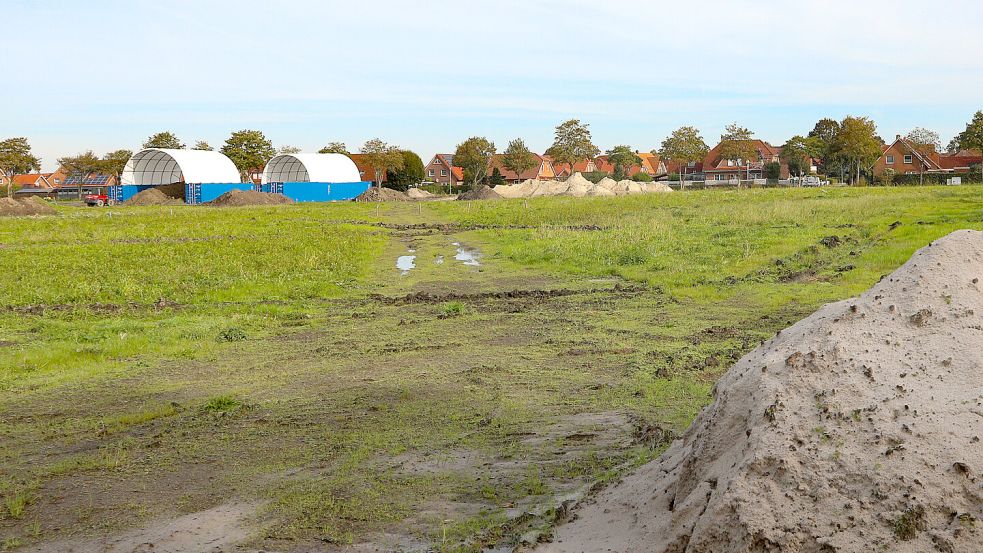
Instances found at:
x=848 y=148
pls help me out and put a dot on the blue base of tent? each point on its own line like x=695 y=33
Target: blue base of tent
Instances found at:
x=317 y=191
x=122 y=192
x=208 y=191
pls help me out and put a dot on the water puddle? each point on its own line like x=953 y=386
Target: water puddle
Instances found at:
x=467 y=256
x=406 y=263
x=439 y=260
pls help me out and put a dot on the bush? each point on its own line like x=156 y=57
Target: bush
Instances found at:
x=642 y=177
x=595 y=176
x=411 y=173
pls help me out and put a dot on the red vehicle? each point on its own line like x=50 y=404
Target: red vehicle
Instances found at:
x=97 y=200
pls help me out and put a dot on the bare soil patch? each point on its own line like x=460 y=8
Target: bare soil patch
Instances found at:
x=153 y=196
x=377 y=194
x=24 y=206
x=236 y=198
x=480 y=193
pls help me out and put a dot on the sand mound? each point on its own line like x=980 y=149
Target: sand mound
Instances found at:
x=417 y=194
x=857 y=429
x=24 y=206
x=377 y=194
x=152 y=196
x=236 y=198
x=480 y=193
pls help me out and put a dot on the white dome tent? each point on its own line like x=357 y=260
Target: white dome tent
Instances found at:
x=157 y=166
x=329 y=168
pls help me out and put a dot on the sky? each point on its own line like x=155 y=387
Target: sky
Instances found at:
x=106 y=74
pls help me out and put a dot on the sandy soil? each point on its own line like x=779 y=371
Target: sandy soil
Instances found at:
x=855 y=430
x=214 y=530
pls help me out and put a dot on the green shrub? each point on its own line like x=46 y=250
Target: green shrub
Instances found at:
x=595 y=176
x=452 y=309
x=411 y=173
x=232 y=334
x=222 y=404
x=642 y=177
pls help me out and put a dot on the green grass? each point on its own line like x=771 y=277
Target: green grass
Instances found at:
x=169 y=360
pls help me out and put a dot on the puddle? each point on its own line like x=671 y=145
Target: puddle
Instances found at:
x=466 y=256
x=439 y=260
x=406 y=263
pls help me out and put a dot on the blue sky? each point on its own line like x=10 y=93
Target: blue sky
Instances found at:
x=103 y=75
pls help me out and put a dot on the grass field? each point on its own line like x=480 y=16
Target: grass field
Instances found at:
x=156 y=362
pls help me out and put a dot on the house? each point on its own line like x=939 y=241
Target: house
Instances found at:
x=441 y=169
x=365 y=170
x=90 y=180
x=542 y=170
x=653 y=164
x=716 y=168
x=905 y=158
x=38 y=180
x=562 y=170
x=684 y=167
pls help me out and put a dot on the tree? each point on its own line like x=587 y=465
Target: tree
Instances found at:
x=572 y=143
x=797 y=152
x=953 y=146
x=887 y=177
x=202 y=145
x=114 y=162
x=249 y=151
x=334 y=148
x=16 y=158
x=81 y=166
x=165 y=139
x=623 y=158
x=289 y=150
x=473 y=156
x=925 y=140
x=825 y=131
x=517 y=158
x=972 y=137
x=737 y=145
x=773 y=170
x=382 y=158
x=496 y=177
x=858 y=144
x=409 y=174
x=683 y=146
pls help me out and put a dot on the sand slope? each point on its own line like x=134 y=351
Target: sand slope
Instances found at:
x=857 y=429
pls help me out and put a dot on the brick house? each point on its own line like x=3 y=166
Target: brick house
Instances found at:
x=365 y=170
x=906 y=159
x=562 y=170
x=716 y=168
x=542 y=170
x=441 y=169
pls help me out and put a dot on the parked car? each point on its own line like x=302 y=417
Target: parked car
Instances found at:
x=97 y=200
x=813 y=180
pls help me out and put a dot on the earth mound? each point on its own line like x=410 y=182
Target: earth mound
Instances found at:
x=152 y=196
x=236 y=198
x=377 y=194
x=418 y=194
x=857 y=429
x=480 y=193
x=24 y=206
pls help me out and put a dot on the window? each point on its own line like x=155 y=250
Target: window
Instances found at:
x=907 y=160
x=730 y=163
x=691 y=164
x=890 y=160
x=443 y=172
x=430 y=173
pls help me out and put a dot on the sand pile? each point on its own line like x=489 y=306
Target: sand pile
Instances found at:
x=578 y=186
x=236 y=198
x=857 y=429
x=24 y=206
x=153 y=196
x=418 y=194
x=480 y=193
x=377 y=194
